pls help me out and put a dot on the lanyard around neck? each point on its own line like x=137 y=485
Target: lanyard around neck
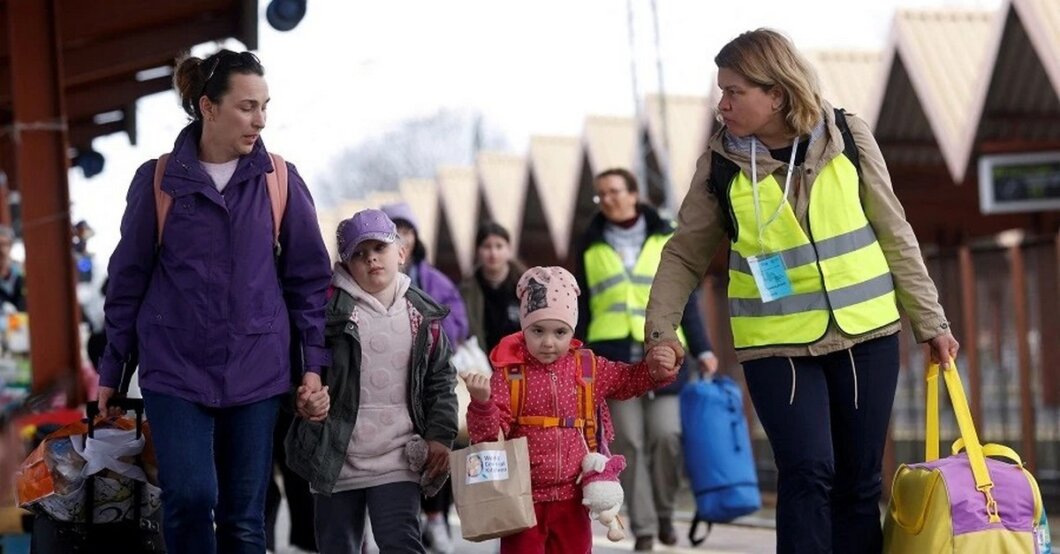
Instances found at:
x=754 y=190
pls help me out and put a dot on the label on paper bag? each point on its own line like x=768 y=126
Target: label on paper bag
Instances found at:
x=771 y=276
x=487 y=465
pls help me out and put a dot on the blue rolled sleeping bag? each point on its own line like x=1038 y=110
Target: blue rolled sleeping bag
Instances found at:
x=717 y=451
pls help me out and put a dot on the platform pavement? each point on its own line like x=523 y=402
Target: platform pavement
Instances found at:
x=753 y=534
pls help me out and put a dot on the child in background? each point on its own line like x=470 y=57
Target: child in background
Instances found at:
x=390 y=381
x=545 y=350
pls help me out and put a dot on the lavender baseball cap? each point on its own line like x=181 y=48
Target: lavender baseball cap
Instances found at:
x=365 y=225
x=401 y=210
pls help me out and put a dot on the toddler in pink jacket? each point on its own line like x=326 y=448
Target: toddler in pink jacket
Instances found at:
x=548 y=361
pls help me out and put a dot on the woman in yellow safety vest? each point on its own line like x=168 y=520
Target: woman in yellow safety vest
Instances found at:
x=820 y=258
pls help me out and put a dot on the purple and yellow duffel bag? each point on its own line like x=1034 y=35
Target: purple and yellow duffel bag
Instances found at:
x=968 y=502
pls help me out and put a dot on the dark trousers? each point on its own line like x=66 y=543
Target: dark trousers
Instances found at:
x=296 y=489
x=395 y=512
x=826 y=418
x=213 y=465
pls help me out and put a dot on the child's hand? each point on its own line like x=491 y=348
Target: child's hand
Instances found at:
x=313 y=401
x=478 y=385
x=662 y=362
x=437 y=459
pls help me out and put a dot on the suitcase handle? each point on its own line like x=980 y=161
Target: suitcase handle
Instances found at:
x=122 y=403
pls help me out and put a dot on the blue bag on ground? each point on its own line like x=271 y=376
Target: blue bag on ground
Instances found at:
x=717 y=450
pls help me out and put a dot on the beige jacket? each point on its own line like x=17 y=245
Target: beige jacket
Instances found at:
x=700 y=231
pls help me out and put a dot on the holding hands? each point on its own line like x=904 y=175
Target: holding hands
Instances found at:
x=313 y=400
x=664 y=360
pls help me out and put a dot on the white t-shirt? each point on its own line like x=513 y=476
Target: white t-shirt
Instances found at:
x=220 y=173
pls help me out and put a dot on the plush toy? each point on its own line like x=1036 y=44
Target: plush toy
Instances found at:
x=416 y=451
x=601 y=491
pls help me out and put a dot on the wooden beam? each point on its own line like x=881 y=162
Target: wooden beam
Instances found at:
x=36 y=59
x=970 y=336
x=1049 y=323
x=1016 y=146
x=82 y=132
x=141 y=49
x=1019 y=299
x=248 y=24
x=88 y=101
x=84 y=22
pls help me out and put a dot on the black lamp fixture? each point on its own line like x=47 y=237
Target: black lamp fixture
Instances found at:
x=285 y=15
x=90 y=162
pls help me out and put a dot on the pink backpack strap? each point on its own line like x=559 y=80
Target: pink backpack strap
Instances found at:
x=276 y=182
x=163 y=201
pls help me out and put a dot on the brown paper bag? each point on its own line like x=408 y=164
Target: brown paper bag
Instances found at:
x=491 y=487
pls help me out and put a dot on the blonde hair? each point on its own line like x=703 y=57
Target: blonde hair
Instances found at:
x=768 y=59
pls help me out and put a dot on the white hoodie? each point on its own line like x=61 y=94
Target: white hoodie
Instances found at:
x=376 y=453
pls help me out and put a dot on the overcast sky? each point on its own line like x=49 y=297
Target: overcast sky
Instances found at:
x=351 y=69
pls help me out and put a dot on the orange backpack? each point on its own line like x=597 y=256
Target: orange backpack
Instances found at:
x=587 y=421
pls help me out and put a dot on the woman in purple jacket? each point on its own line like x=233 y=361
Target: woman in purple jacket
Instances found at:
x=210 y=309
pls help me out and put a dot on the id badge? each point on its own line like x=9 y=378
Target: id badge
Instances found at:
x=771 y=276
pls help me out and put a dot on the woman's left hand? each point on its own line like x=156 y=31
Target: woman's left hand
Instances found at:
x=943 y=349
x=437 y=459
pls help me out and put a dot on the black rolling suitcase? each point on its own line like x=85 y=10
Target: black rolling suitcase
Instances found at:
x=139 y=535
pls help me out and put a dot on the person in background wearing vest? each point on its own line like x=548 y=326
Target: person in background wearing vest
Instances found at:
x=392 y=387
x=439 y=287
x=617 y=259
x=210 y=309
x=550 y=367
x=821 y=258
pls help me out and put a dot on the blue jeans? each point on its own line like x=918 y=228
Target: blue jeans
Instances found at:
x=214 y=465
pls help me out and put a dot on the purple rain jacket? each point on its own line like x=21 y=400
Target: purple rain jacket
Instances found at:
x=211 y=312
x=443 y=291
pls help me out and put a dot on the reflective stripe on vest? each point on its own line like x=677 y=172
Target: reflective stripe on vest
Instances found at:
x=618 y=300
x=838 y=272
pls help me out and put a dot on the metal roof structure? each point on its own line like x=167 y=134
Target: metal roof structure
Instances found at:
x=422 y=197
x=689 y=120
x=504 y=179
x=555 y=163
x=949 y=86
x=1019 y=96
x=943 y=55
x=459 y=192
x=848 y=78
x=610 y=142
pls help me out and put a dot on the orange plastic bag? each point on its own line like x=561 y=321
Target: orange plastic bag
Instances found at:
x=39 y=476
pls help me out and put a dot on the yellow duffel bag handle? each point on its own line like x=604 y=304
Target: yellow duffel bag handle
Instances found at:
x=990 y=450
x=976 y=457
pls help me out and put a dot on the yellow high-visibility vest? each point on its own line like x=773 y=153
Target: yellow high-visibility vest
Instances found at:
x=617 y=299
x=838 y=272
